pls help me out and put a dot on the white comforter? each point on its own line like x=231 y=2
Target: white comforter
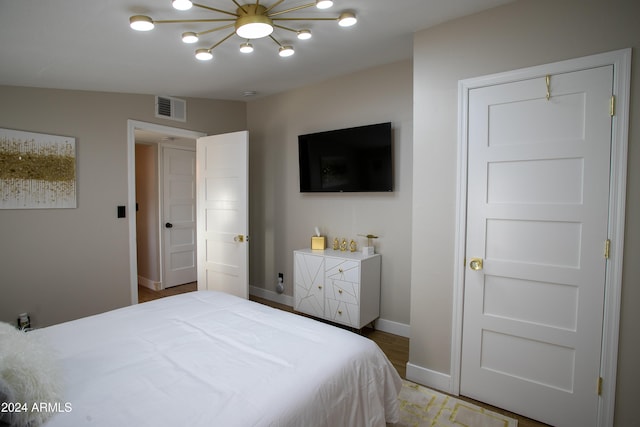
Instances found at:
x=211 y=359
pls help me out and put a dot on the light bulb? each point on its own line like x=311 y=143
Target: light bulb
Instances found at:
x=286 y=51
x=254 y=30
x=347 y=19
x=304 y=34
x=182 y=4
x=324 y=4
x=204 y=54
x=141 y=23
x=246 y=47
x=189 y=37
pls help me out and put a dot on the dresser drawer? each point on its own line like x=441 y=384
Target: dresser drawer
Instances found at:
x=341 y=269
x=342 y=312
x=340 y=290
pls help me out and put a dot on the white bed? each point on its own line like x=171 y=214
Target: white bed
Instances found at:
x=211 y=359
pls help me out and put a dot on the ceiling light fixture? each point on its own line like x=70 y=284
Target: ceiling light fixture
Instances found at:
x=204 y=54
x=285 y=51
x=248 y=21
x=182 y=4
x=304 y=34
x=246 y=47
x=324 y=4
x=347 y=19
x=141 y=23
x=190 y=37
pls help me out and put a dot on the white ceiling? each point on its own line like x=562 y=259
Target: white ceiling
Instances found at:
x=88 y=45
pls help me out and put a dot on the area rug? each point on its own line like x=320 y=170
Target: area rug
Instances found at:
x=423 y=407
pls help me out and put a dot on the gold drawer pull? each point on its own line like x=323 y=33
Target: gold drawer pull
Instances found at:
x=340 y=270
x=340 y=291
x=340 y=312
x=319 y=286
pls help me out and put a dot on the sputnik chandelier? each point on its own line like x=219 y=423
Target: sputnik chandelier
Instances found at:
x=249 y=22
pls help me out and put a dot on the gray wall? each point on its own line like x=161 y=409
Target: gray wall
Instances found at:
x=61 y=264
x=283 y=219
x=521 y=34
x=147 y=214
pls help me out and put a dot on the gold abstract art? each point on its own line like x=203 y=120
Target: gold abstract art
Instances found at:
x=37 y=170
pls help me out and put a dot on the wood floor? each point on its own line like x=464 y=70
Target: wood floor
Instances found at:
x=396 y=348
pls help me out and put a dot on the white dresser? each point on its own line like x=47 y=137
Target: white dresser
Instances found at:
x=342 y=287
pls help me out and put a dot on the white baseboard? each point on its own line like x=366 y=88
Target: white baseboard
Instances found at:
x=271 y=296
x=148 y=283
x=392 y=327
x=383 y=325
x=429 y=378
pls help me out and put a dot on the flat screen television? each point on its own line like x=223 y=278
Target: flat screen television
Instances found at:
x=358 y=159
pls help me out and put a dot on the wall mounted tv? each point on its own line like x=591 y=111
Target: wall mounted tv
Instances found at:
x=358 y=159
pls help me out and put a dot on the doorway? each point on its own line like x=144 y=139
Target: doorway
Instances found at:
x=154 y=138
x=525 y=195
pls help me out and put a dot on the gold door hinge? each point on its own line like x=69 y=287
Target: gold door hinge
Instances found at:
x=599 y=386
x=612 y=106
x=607 y=248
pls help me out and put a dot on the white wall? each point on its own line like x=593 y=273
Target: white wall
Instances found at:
x=521 y=34
x=283 y=219
x=61 y=264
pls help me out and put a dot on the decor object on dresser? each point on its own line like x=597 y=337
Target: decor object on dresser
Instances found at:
x=207 y=358
x=369 y=249
x=37 y=171
x=342 y=287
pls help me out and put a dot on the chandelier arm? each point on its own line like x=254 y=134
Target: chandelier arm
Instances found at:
x=240 y=6
x=272 y=6
x=285 y=28
x=186 y=21
x=293 y=9
x=213 y=9
x=214 y=29
x=221 y=41
x=305 y=19
x=276 y=41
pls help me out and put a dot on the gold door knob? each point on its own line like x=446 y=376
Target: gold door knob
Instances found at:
x=475 y=264
x=239 y=238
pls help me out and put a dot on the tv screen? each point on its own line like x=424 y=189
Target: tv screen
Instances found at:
x=358 y=159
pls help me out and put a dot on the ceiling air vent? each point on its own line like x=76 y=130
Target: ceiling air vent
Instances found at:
x=171 y=108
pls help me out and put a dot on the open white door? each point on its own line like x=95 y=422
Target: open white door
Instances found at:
x=222 y=213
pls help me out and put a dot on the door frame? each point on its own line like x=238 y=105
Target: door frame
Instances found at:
x=132 y=125
x=621 y=61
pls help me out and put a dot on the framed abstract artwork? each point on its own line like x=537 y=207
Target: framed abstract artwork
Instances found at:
x=37 y=171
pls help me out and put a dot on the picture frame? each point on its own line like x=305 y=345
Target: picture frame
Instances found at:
x=37 y=170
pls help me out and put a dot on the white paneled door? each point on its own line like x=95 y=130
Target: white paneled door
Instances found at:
x=179 y=216
x=223 y=222
x=537 y=223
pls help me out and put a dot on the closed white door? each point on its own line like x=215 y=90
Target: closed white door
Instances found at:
x=537 y=217
x=179 y=216
x=223 y=221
